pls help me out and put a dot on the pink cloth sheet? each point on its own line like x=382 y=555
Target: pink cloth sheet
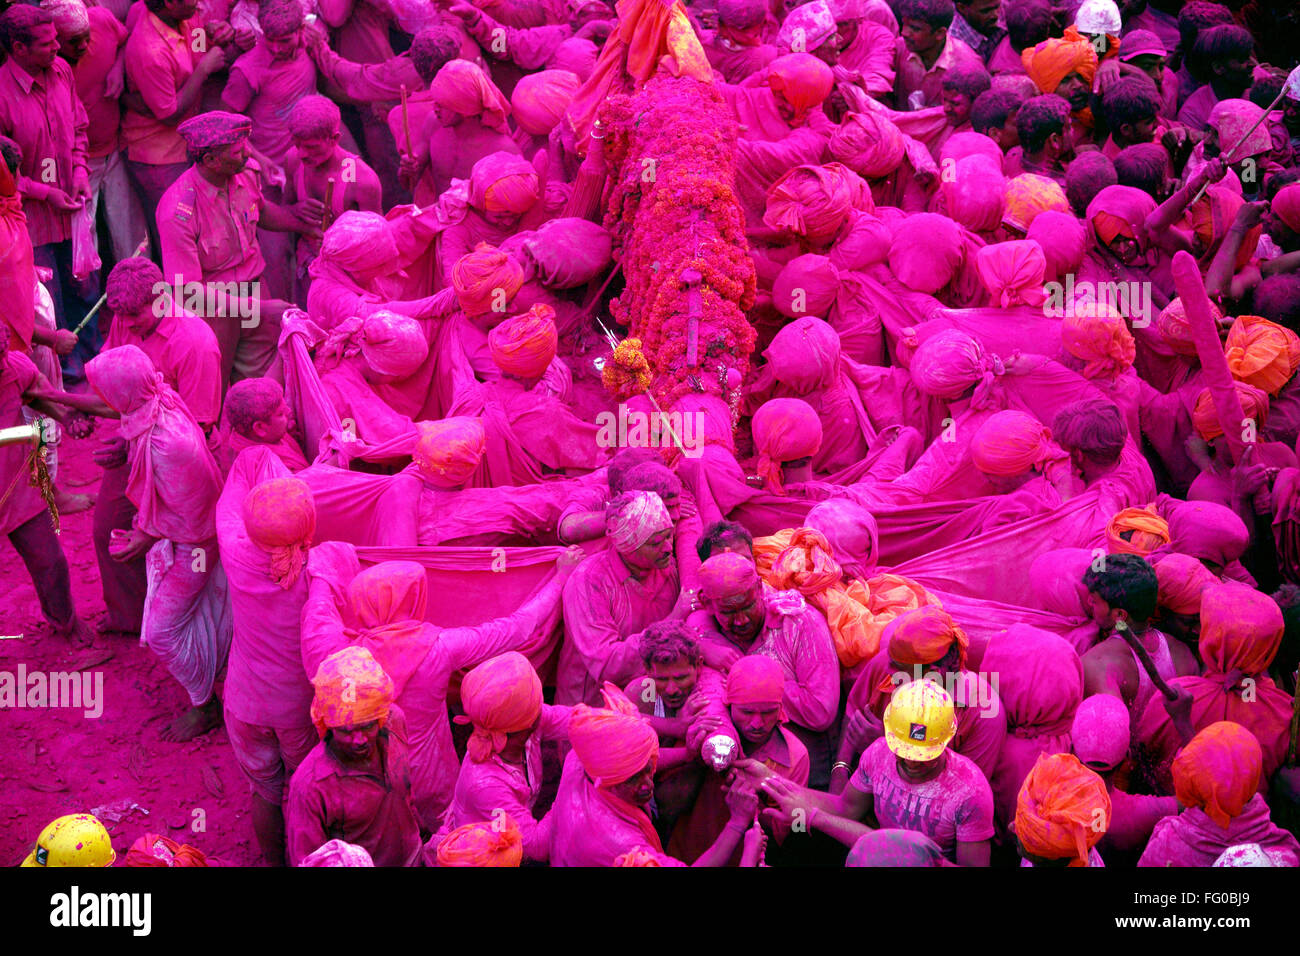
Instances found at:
x=1192 y=839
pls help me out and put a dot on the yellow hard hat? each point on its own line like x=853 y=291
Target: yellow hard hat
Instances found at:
x=920 y=720
x=75 y=840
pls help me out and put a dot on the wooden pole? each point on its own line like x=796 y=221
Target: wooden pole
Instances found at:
x=328 y=216
x=406 y=124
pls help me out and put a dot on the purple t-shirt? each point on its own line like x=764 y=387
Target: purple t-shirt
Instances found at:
x=954 y=807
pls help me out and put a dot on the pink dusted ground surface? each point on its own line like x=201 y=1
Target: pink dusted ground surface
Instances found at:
x=56 y=761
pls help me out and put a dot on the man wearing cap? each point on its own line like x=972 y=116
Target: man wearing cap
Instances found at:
x=207 y=227
x=908 y=780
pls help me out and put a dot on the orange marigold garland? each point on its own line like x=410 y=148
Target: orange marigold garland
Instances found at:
x=626 y=372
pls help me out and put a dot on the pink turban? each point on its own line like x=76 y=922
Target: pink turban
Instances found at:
x=463 y=87
x=393 y=344
x=1146 y=532
x=1011 y=442
x=501 y=696
x=1063 y=239
x=1103 y=341
x=1262 y=353
x=633 y=518
x=805 y=355
x=1205 y=418
x=1029 y=194
x=1100 y=732
x=1208 y=532
x=503 y=182
x=869 y=144
x=784 y=429
x=755 y=679
x=611 y=746
x=1182 y=580
x=490 y=843
x=540 y=99
x=814 y=202
x=950 y=362
x=351 y=689
x=524 y=345
x=1241 y=628
x=568 y=252
x=449 y=450
x=961 y=146
x=577 y=55
x=1286 y=206
x=807 y=285
x=801 y=80
x=727 y=575
x=1174 y=329
x=850 y=530
x=338 y=853
x=485 y=278
x=1013 y=272
x=973 y=195
x=280 y=518
x=1232 y=118
x=926 y=253
x=360 y=242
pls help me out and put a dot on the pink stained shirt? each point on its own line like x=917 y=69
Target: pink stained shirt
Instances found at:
x=265 y=90
x=265 y=681
x=483 y=789
x=913 y=77
x=360 y=29
x=954 y=807
x=17 y=375
x=44 y=116
x=184 y=349
x=209 y=234
x=103 y=112
x=328 y=801
x=159 y=61
x=604 y=606
x=1192 y=839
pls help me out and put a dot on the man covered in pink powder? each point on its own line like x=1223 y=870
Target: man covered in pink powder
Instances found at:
x=257 y=414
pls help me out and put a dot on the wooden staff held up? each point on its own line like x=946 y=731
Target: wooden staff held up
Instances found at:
x=406 y=124
x=327 y=216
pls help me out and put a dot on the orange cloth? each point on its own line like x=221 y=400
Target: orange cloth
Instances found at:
x=540 y=99
x=642 y=856
x=1241 y=629
x=801 y=80
x=1254 y=404
x=612 y=746
x=1110 y=226
x=152 y=849
x=501 y=696
x=755 y=679
x=1054 y=59
x=463 y=87
x=1218 y=771
x=449 y=450
x=525 y=344
x=1182 y=580
x=1063 y=809
x=923 y=636
x=351 y=689
x=503 y=182
x=785 y=429
x=486 y=280
x=1262 y=353
x=1011 y=442
x=1029 y=194
x=1102 y=341
x=280 y=518
x=498 y=843
x=814 y=202
x=1210 y=218
x=1150 y=531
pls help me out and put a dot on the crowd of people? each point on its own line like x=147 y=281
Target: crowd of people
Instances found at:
x=985 y=554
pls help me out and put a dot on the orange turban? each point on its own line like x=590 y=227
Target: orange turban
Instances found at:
x=784 y=429
x=923 y=636
x=1029 y=194
x=644 y=856
x=726 y=575
x=449 y=450
x=814 y=202
x=351 y=689
x=1218 y=771
x=486 y=280
x=1011 y=442
x=611 y=746
x=1013 y=272
x=503 y=182
x=463 y=87
x=1182 y=580
x=1053 y=60
x=1212 y=216
x=501 y=696
x=1173 y=327
x=1262 y=353
x=801 y=80
x=525 y=344
x=152 y=849
x=1149 y=531
x=755 y=679
x=498 y=843
x=1101 y=340
x=869 y=144
x=540 y=99
x=393 y=344
x=280 y=518
x=1254 y=404
x=1063 y=809
x=1241 y=628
